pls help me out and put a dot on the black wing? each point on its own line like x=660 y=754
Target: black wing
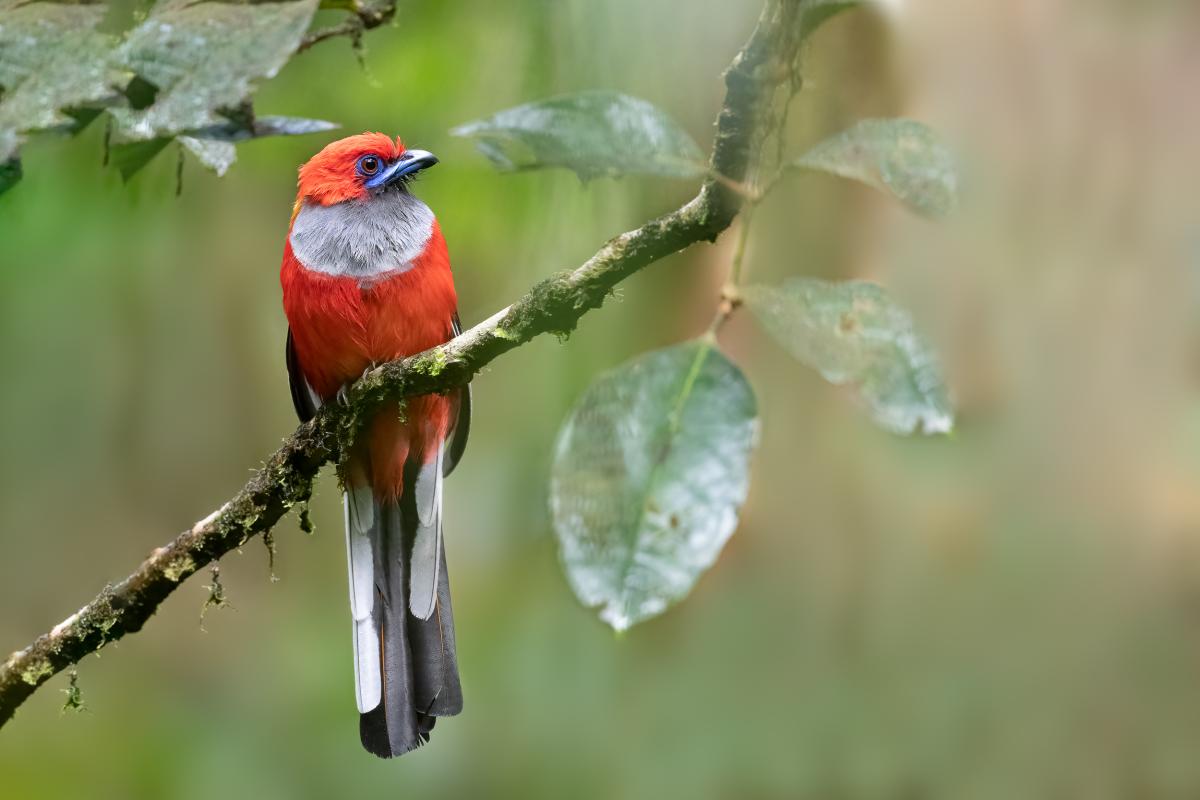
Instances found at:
x=302 y=396
x=462 y=423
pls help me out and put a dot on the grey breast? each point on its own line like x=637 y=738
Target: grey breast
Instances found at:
x=362 y=238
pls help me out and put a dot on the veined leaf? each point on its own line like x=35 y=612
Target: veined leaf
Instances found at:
x=51 y=58
x=205 y=57
x=651 y=469
x=593 y=133
x=898 y=156
x=853 y=334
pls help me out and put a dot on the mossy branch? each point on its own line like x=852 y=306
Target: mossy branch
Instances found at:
x=553 y=306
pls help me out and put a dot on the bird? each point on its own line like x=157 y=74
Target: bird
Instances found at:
x=366 y=279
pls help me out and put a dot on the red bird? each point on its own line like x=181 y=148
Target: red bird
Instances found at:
x=366 y=279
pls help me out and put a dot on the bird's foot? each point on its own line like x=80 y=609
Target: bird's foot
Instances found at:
x=343 y=394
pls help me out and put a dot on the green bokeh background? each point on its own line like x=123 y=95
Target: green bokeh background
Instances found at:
x=1008 y=612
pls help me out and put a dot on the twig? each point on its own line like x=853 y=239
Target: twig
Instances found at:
x=363 y=19
x=553 y=306
x=352 y=27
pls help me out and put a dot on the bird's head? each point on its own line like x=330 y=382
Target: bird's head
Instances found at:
x=359 y=168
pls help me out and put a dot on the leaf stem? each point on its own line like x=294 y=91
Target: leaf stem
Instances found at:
x=739 y=253
x=731 y=298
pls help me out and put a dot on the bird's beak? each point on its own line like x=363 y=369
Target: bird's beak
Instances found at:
x=410 y=161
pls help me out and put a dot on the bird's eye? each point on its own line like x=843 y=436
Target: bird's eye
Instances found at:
x=368 y=165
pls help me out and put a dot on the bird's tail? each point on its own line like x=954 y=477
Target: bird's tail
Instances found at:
x=405 y=666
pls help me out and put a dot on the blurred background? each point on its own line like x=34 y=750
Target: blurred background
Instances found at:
x=1012 y=611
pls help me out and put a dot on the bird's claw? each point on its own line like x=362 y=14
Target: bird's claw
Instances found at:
x=343 y=394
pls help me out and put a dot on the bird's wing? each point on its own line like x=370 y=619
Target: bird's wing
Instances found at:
x=462 y=422
x=303 y=397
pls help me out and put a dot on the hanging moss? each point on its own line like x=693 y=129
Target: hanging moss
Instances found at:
x=74 y=701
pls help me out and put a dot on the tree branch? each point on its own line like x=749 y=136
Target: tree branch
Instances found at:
x=364 y=17
x=554 y=305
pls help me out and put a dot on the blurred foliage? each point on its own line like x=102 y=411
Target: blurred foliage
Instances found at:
x=592 y=133
x=817 y=12
x=1010 y=614
x=898 y=156
x=852 y=333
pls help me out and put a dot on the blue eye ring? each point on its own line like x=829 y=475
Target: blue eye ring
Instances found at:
x=369 y=165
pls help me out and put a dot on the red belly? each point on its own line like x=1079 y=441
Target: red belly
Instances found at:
x=340 y=328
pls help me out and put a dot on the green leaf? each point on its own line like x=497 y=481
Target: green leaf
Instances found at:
x=80 y=118
x=898 y=156
x=51 y=57
x=130 y=157
x=216 y=154
x=853 y=334
x=10 y=174
x=214 y=146
x=651 y=468
x=593 y=133
x=205 y=57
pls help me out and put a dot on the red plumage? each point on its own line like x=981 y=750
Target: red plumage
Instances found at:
x=341 y=326
x=329 y=177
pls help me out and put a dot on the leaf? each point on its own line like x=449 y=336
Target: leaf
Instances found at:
x=289 y=126
x=216 y=154
x=898 y=156
x=51 y=57
x=130 y=157
x=205 y=57
x=10 y=174
x=852 y=333
x=80 y=118
x=214 y=146
x=651 y=468
x=593 y=133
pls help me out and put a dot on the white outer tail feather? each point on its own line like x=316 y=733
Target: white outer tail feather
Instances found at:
x=361 y=540
x=427 y=544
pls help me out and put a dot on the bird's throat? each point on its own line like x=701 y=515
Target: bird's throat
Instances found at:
x=363 y=239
